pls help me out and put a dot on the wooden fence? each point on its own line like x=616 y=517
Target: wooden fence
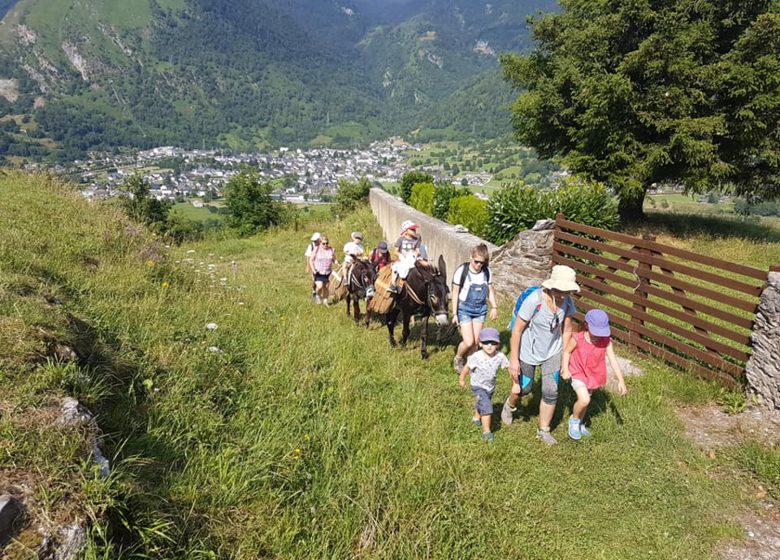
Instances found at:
x=691 y=310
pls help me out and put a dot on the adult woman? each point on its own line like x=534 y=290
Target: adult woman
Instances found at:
x=322 y=260
x=471 y=292
x=542 y=329
x=313 y=244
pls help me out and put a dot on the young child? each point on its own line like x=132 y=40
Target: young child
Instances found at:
x=584 y=363
x=483 y=365
x=408 y=247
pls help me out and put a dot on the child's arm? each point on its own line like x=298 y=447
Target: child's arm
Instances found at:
x=466 y=371
x=616 y=368
x=565 y=373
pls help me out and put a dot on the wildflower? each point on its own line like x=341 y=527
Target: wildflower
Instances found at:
x=165 y=284
x=211 y=326
x=214 y=349
x=150 y=263
x=297 y=454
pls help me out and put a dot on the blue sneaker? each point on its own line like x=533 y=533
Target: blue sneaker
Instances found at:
x=585 y=431
x=488 y=437
x=476 y=421
x=574 y=429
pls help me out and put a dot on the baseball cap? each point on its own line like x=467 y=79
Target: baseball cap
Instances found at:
x=489 y=335
x=357 y=235
x=408 y=224
x=598 y=322
x=382 y=246
x=315 y=236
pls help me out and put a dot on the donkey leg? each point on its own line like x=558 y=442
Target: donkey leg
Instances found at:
x=348 y=298
x=356 y=305
x=406 y=330
x=424 y=338
x=368 y=313
x=392 y=317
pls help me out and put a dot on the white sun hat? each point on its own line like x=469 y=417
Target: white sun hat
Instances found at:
x=315 y=236
x=563 y=278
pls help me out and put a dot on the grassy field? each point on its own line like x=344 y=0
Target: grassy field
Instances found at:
x=288 y=432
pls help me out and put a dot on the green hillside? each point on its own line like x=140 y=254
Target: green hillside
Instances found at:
x=248 y=73
x=288 y=432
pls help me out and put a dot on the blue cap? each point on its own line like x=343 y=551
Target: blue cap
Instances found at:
x=598 y=322
x=489 y=335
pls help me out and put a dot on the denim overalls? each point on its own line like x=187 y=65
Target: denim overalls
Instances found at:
x=475 y=305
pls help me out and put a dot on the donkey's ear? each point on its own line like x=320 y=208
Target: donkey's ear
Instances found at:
x=442 y=266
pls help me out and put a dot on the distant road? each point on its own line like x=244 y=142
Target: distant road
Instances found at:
x=6 y=5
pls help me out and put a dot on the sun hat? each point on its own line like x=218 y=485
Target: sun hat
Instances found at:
x=563 y=278
x=382 y=247
x=316 y=236
x=598 y=322
x=489 y=335
x=357 y=235
x=408 y=224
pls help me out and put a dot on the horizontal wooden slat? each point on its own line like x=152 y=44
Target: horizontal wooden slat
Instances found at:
x=744 y=270
x=669 y=280
x=663 y=263
x=632 y=339
x=693 y=336
x=695 y=320
x=712 y=359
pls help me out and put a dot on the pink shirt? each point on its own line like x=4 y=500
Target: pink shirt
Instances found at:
x=588 y=361
x=323 y=260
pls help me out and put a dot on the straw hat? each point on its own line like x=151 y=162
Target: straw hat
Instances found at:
x=563 y=278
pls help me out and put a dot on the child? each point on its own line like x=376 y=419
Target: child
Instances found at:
x=353 y=250
x=380 y=256
x=408 y=247
x=584 y=363
x=483 y=365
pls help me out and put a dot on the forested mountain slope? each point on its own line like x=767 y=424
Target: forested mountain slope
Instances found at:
x=250 y=73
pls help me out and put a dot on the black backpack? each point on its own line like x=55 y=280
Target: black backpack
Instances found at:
x=464 y=274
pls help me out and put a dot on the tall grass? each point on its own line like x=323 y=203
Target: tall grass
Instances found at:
x=288 y=432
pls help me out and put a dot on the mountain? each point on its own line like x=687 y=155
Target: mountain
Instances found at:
x=251 y=73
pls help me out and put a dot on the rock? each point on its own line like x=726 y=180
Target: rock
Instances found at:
x=73 y=414
x=68 y=544
x=11 y=511
x=525 y=261
x=628 y=368
x=64 y=353
x=763 y=368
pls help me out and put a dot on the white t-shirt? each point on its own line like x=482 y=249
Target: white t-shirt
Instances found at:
x=353 y=248
x=471 y=278
x=484 y=369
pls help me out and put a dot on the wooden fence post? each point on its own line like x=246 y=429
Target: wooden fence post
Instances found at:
x=642 y=274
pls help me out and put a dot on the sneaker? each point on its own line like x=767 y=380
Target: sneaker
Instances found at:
x=585 y=431
x=393 y=289
x=507 y=413
x=546 y=437
x=457 y=364
x=317 y=299
x=476 y=421
x=574 y=429
x=488 y=437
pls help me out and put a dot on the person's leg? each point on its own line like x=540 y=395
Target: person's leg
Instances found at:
x=550 y=377
x=325 y=293
x=476 y=327
x=466 y=335
x=318 y=291
x=486 y=422
x=519 y=389
x=583 y=400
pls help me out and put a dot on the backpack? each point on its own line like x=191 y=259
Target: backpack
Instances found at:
x=519 y=302
x=465 y=273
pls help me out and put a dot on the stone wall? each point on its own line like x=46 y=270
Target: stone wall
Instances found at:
x=439 y=237
x=763 y=367
x=524 y=261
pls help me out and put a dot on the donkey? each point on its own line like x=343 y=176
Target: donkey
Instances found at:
x=361 y=286
x=424 y=292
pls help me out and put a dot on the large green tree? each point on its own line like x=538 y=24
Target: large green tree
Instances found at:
x=250 y=204
x=637 y=92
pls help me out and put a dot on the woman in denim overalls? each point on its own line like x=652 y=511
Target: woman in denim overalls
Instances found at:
x=470 y=302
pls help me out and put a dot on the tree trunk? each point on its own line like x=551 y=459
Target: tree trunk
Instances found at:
x=630 y=208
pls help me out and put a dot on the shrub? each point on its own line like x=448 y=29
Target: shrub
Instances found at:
x=443 y=196
x=471 y=212
x=142 y=207
x=251 y=207
x=422 y=197
x=409 y=180
x=350 y=195
x=515 y=208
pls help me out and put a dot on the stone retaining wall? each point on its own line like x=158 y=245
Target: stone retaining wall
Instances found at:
x=763 y=367
x=524 y=261
x=439 y=237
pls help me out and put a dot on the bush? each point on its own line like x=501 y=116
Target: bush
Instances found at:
x=422 y=197
x=515 y=208
x=251 y=207
x=471 y=212
x=409 y=180
x=142 y=207
x=350 y=195
x=442 y=197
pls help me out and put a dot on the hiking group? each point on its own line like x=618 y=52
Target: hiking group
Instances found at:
x=541 y=332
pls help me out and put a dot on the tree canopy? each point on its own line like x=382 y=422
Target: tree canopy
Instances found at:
x=637 y=92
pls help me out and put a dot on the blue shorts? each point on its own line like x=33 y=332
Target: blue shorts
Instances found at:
x=465 y=318
x=321 y=277
x=484 y=400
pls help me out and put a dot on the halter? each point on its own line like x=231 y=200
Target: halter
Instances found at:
x=418 y=300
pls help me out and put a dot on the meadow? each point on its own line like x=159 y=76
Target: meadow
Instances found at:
x=245 y=422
